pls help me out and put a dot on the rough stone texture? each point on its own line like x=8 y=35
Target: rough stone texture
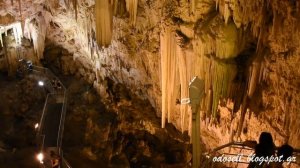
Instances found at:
x=121 y=136
x=18 y=117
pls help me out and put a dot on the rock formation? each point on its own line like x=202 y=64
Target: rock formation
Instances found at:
x=247 y=52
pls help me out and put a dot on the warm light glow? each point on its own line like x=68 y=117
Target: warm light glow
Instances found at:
x=41 y=83
x=36 y=125
x=131 y=6
x=104 y=21
x=40 y=157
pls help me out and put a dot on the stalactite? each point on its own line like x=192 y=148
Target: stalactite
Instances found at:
x=35 y=30
x=172 y=75
x=75 y=5
x=253 y=77
x=84 y=35
x=168 y=68
x=226 y=12
x=131 y=6
x=104 y=27
x=209 y=103
x=184 y=79
x=20 y=7
x=244 y=107
x=223 y=75
x=236 y=14
x=115 y=6
x=1 y=32
x=193 y=6
x=18 y=34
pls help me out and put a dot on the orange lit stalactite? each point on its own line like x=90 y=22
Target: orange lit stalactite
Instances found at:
x=104 y=27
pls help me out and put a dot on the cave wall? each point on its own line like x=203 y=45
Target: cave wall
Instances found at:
x=219 y=30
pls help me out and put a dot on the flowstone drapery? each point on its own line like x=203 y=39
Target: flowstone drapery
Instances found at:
x=35 y=29
x=17 y=32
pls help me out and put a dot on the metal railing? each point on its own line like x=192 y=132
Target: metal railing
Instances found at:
x=64 y=163
x=237 y=149
x=61 y=124
x=53 y=95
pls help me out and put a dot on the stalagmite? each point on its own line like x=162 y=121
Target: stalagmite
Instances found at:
x=104 y=27
x=131 y=6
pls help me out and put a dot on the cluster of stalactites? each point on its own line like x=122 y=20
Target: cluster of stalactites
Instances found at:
x=220 y=78
x=222 y=83
x=224 y=40
x=19 y=1
x=177 y=69
x=85 y=35
x=16 y=27
x=35 y=30
x=17 y=32
x=168 y=69
x=74 y=3
x=256 y=15
x=104 y=22
x=131 y=6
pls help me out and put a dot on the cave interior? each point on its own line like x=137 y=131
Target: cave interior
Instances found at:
x=148 y=83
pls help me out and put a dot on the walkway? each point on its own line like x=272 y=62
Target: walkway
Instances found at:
x=51 y=126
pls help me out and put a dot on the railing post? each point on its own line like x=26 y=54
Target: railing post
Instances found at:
x=196 y=91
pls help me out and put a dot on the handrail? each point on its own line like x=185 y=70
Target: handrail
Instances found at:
x=43 y=113
x=65 y=161
x=48 y=74
x=61 y=124
x=240 y=145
